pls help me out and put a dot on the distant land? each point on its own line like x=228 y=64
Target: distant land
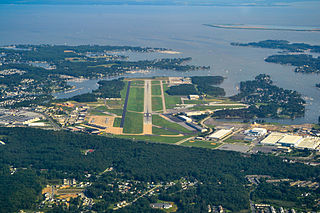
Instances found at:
x=158 y=2
x=294 y=54
x=253 y=27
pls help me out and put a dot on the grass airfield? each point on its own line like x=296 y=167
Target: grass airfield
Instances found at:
x=146 y=114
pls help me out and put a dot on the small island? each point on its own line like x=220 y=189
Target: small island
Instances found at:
x=297 y=54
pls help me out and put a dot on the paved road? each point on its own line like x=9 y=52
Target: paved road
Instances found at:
x=125 y=106
x=52 y=122
x=127 y=204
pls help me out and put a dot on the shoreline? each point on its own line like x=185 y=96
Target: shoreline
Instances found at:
x=244 y=27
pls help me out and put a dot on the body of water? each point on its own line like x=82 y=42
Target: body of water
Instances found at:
x=180 y=28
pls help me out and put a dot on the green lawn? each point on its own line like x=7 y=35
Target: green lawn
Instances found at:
x=171 y=101
x=137 y=83
x=113 y=103
x=94 y=111
x=156 y=103
x=159 y=121
x=202 y=144
x=159 y=131
x=155 y=82
x=156 y=90
x=136 y=99
x=152 y=138
x=123 y=92
x=117 y=122
x=101 y=108
x=115 y=111
x=133 y=123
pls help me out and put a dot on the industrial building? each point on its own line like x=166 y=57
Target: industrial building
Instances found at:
x=290 y=140
x=194 y=113
x=272 y=138
x=185 y=118
x=220 y=134
x=308 y=143
x=256 y=132
x=196 y=127
x=193 y=97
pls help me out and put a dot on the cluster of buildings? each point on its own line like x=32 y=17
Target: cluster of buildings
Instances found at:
x=161 y=205
x=215 y=209
x=62 y=194
x=66 y=114
x=287 y=141
x=174 y=81
x=269 y=208
x=10 y=117
x=191 y=123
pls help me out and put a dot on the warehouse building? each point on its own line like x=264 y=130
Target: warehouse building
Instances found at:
x=194 y=113
x=290 y=140
x=272 y=138
x=185 y=118
x=308 y=143
x=256 y=132
x=220 y=134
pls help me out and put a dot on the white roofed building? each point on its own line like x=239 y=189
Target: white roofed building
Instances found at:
x=272 y=138
x=290 y=140
x=308 y=143
x=218 y=135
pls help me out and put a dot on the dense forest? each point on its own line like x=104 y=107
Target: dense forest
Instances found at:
x=182 y=89
x=47 y=155
x=202 y=85
x=304 y=63
x=205 y=85
x=265 y=100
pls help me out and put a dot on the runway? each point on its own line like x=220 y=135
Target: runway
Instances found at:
x=147 y=118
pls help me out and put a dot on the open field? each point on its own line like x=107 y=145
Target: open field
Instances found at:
x=156 y=90
x=115 y=111
x=101 y=108
x=155 y=82
x=123 y=92
x=116 y=122
x=202 y=144
x=137 y=83
x=157 y=139
x=156 y=103
x=95 y=111
x=133 y=123
x=159 y=131
x=171 y=101
x=159 y=121
x=136 y=99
